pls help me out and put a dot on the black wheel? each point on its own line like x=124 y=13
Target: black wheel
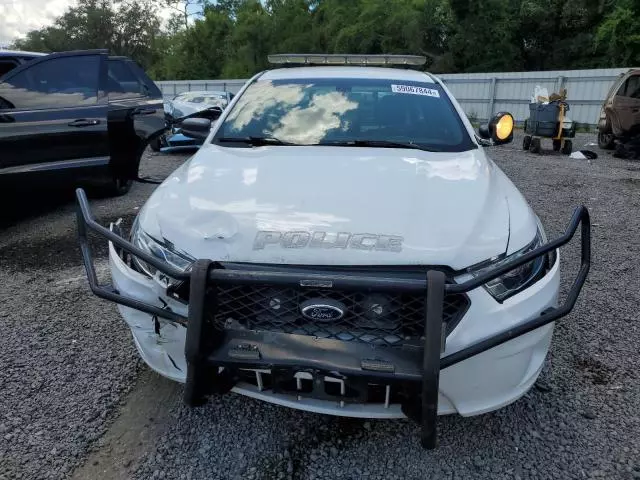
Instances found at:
x=117 y=187
x=526 y=142
x=606 y=141
x=157 y=143
x=535 y=145
x=567 y=147
x=557 y=144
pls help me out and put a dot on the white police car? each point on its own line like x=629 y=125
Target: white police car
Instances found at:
x=342 y=244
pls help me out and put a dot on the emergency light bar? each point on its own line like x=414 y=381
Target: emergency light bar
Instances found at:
x=337 y=59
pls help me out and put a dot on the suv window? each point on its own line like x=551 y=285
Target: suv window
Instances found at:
x=633 y=87
x=54 y=83
x=7 y=64
x=317 y=111
x=630 y=88
x=152 y=88
x=122 y=82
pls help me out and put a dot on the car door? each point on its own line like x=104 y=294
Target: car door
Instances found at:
x=136 y=114
x=53 y=114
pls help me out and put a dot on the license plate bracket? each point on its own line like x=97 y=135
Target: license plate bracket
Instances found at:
x=319 y=385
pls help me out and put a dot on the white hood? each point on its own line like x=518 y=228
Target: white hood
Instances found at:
x=448 y=208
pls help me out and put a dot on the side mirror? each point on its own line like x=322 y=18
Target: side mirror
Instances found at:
x=499 y=130
x=212 y=113
x=196 y=127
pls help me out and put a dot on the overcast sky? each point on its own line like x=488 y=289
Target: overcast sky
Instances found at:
x=17 y=17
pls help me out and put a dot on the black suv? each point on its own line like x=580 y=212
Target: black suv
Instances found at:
x=75 y=115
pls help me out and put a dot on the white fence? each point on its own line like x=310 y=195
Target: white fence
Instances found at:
x=483 y=94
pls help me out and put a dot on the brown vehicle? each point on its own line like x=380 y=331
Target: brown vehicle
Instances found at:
x=620 y=114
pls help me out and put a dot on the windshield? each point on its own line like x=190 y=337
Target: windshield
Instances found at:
x=365 y=112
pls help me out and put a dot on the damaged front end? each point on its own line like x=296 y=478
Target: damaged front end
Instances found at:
x=321 y=345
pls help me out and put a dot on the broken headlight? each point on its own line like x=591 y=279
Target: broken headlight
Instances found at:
x=518 y=279
x=162 y=249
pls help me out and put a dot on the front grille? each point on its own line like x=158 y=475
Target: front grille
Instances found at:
x=370 y=317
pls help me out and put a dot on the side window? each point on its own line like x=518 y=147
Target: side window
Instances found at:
x=122 y=82
x=7 y=64
x=54 y=83
x=152 y=88
x=633 y=87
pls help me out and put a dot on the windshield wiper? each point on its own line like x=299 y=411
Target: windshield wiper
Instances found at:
x=376 y=144
x=255 y=141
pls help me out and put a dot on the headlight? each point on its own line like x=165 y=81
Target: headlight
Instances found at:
x=521 y=277
x=163 y=250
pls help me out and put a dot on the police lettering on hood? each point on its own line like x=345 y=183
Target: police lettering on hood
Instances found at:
x=318 y=239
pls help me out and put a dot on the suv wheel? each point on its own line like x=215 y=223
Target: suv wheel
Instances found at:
x=118 y=186
x=157 y=143
x=606 y=141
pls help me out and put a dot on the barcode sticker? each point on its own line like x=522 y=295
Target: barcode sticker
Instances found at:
x=410 y=89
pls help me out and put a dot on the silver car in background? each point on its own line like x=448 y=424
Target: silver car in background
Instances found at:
x=188 y=104
x=192 y=102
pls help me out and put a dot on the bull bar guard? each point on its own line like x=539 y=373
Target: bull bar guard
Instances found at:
x=207 y=348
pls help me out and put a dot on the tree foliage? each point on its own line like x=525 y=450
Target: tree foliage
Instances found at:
x=232 y=38
x=125 y=28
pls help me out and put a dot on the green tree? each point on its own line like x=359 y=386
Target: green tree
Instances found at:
x=232 y=38
x=248 y=44
x=125 y=28
x=619 y=35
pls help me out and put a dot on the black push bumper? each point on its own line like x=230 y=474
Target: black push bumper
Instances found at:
x=208 y=348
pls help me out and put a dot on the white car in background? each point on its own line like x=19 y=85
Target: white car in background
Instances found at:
x=342 y=244
x=188 y=105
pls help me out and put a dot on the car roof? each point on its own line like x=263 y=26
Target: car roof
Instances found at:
x=19 y=53
x=381 y=73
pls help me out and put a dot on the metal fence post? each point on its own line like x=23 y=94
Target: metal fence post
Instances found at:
x=492 y=97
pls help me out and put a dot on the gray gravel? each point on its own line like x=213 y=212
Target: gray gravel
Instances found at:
x=66 y=360
x=68 y=364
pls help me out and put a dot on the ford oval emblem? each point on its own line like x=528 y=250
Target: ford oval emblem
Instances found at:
x=322 y=309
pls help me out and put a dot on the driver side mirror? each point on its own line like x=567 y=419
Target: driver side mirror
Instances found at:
x=499 y=130
x=196 y=127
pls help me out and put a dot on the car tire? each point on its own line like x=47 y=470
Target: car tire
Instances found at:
x=156 y=144
x=535 y=145
x=557 y=145
x=606 y=141
x=118 y=186
x=526 y=142
x=567 y=147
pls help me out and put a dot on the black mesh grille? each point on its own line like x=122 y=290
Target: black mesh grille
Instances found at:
x=370 y=317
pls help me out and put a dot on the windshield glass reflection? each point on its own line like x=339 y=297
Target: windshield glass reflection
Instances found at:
x=347 y=111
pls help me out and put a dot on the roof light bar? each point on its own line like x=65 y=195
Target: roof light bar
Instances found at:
x=337 y=59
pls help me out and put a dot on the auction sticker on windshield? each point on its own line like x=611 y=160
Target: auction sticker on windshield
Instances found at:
x=429 y=92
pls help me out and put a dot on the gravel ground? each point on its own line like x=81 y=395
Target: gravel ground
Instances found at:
x=73 y=389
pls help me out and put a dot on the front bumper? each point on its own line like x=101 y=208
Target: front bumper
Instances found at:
x=219 y=360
